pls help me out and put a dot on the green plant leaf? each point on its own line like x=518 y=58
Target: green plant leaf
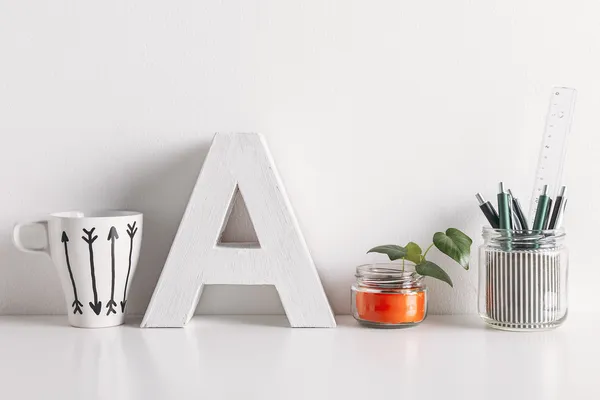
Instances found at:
x=413 y=252
x=455 y=245
x=427 y=268
x=394 y=252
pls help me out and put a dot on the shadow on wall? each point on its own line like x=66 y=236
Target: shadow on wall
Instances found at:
x=161 y=195
x=30 y=284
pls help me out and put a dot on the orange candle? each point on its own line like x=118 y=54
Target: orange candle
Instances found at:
x=391 y=308
x=389 y=295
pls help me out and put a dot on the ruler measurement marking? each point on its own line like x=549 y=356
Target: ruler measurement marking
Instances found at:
x=552 y=153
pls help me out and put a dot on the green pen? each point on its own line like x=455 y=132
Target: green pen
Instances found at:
x=504 y=208
x=541 y=213
x=548 y=214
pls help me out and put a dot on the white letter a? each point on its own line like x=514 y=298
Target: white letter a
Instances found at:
x=196 y=258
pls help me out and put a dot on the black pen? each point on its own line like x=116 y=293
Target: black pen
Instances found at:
x=488 y=210
x=519 y=211
x=559 y=209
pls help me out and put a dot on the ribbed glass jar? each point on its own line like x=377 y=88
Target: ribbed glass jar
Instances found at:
x=523 y=279
x=389 y=295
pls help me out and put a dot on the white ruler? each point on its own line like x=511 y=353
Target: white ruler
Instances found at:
x=554 y=145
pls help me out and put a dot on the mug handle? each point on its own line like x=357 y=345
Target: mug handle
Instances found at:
x=19 y=245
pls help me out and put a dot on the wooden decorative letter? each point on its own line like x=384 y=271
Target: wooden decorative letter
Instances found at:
x=281 y=258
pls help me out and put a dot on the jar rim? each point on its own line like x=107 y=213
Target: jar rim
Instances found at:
x=556 y=233
x=390 y=274
x=523 y=240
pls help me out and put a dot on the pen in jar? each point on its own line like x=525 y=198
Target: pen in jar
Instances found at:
x=559 y=209
x=541 y=214
x=518 y=212
x=488 y=210
x=504 y=212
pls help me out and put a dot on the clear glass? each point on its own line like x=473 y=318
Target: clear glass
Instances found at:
x=389 y=295
x=523 y=279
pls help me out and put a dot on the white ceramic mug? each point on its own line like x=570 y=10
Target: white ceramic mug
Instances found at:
x=96 y=254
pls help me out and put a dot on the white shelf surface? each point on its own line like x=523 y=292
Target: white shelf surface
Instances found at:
x=259 y=357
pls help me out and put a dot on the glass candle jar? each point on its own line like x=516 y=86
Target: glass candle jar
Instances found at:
x=389 y=295
x=523 y=279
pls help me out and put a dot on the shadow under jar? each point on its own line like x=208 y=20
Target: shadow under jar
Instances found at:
x=389 y=295
x=523 y=279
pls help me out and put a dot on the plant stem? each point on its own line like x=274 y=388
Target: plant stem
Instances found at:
x=426 y=251
x=403 y=264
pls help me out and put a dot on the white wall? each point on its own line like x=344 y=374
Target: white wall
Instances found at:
x=384 y=117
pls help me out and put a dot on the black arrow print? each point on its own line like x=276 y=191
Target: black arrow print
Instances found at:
x=77 y=304
x=112 y=236
x=131 y=231
x=96 y=305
